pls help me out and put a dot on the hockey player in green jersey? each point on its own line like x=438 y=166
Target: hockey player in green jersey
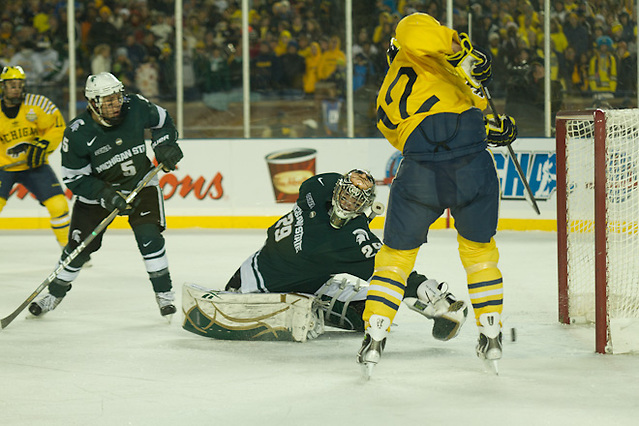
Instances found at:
x=104 y=157
x=327 y=233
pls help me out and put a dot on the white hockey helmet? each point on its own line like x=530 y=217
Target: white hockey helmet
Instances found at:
x=354 y=192
x=97 y=88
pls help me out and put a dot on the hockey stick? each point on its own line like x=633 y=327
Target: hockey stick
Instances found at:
x=528 y=193
x=98 y=229
x=17 y=163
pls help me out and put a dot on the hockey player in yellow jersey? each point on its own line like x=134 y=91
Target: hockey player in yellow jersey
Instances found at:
x=31 y=128
x=430 y=108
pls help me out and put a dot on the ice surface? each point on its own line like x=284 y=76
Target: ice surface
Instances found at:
x=106 y=357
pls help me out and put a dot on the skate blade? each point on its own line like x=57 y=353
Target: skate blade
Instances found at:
x=491 y=366
x=168 y=318
x=367 y=370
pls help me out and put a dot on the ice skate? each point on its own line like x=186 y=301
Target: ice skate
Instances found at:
x=489 y=344
x=165 y=302
x=435 y=302
x=45 y=304
x=373 y=345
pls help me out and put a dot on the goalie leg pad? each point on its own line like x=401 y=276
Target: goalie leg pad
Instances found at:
x=252 y=316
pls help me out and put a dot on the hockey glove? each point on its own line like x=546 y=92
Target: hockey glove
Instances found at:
x=169 y=155
x=472 y=63
x=112 y=199
x=37 y=153
x=502 y=132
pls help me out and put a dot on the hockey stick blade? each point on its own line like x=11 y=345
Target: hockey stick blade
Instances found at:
x=17 y=163
x=4 y=322
x=528 y=194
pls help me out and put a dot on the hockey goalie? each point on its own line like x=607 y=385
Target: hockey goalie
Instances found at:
x=312 y=272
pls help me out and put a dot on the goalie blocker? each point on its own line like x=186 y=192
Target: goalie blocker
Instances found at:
x=255 y=316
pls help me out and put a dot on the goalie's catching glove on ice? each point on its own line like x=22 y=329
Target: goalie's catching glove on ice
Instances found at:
x=37 y=153
x=473 y=63
x=500 y=132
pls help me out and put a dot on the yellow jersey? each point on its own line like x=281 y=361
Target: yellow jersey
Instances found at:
x=37 y=117
x=420 y=81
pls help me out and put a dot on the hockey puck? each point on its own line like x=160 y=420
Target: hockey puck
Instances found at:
x=513 y=334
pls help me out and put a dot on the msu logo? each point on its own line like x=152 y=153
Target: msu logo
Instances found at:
x=76 y=125
x=361 y=236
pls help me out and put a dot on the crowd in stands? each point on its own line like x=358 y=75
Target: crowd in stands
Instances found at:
x=297 y=46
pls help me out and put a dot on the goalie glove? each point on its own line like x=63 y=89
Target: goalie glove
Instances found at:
x=473 y=63
x=37 y=153
x=501 y=131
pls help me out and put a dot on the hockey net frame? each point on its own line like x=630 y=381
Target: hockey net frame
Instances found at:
x=597 y=181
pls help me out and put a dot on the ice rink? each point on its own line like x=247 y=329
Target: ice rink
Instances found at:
x=106 y=357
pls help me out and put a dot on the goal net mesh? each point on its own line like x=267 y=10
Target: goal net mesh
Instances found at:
x=622 y=215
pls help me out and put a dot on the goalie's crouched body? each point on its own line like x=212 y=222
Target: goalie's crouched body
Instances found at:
x=312 y=271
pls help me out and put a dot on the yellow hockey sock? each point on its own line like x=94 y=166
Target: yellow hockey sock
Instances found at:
x=485 y=284
x=388 y=283
x=59 y=212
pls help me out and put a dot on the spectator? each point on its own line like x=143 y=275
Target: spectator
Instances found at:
x=293 y=69
x=123 y=69
x=30 y=62
x=265 y=70
x=282 y=43
x=628 y=31
x=162 y=28
x=602 y=71
x=577 y=34
x=102 y=30
x=627 y=71
x=557 y=36
x=363 y=71
x=135 y=51
x=101 y=59
x=218 y=77
x=330 y=57
x=312 y=64
x=152 y=51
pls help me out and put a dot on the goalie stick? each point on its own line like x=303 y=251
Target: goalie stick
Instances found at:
x=101 y=226
x=528 y=192
x=17 y=163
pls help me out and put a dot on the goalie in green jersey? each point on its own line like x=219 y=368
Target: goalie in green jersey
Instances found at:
x=326 y=235
x=104 y=158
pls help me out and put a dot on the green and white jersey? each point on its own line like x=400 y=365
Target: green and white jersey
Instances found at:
x=303 y=250
x=94 y=156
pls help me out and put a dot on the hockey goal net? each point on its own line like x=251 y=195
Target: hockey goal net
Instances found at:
x=598 y=224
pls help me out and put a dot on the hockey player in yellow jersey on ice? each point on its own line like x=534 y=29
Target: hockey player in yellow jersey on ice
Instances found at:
x=430 y=108
x=31 y=128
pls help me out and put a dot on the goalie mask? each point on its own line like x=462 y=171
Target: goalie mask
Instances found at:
x=14 y=82
x=354 y=192
x=105 y=94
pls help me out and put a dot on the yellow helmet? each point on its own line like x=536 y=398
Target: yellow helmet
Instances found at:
x=13 y=73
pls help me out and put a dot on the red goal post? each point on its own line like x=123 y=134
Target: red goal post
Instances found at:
x=597 y=155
